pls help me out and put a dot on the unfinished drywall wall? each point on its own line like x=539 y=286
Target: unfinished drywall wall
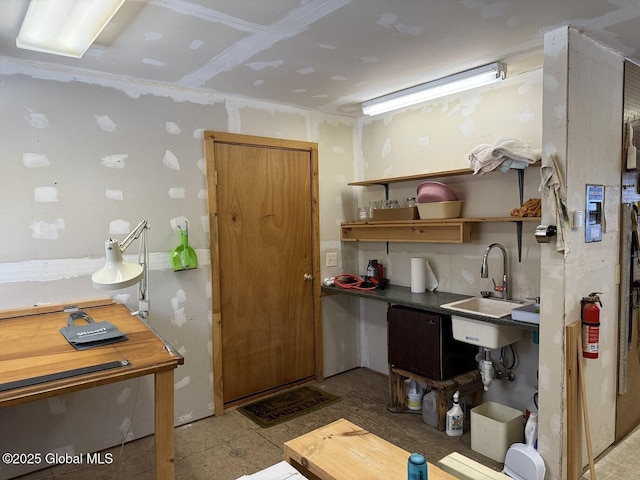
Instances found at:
x=438 y=137
x=583 y=129
x=85 y=163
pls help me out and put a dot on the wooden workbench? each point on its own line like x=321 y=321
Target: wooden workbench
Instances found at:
x=36 y=361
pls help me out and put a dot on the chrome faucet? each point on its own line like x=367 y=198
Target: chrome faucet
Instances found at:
x=484 y=270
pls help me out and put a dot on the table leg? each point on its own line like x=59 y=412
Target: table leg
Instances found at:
x=164 y=427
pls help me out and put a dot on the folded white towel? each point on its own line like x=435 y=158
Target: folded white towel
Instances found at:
x=517 y=150
x=481 y=159
x=552 y=186
x=504 y=154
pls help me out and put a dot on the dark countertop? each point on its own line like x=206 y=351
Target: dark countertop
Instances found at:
x=428 y=301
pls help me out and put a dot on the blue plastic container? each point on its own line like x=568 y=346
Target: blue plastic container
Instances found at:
x=417 y=467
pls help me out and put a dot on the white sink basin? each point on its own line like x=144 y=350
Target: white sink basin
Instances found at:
x=484 y=334
x=487 y=307
x=479 y=332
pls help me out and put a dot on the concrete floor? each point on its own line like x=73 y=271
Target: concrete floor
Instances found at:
x=621 y=462
x=227 y=447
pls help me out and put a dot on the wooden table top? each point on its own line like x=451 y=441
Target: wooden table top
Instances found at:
x=343 y=450
x=32 y=346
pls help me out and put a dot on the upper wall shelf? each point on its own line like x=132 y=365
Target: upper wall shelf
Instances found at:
x=409 y=178
x=422 y=176
x=445 y=231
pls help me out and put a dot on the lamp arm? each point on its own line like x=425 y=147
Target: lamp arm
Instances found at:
x=135 y=233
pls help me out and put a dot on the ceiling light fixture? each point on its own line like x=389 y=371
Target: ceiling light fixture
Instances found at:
x=458 y=82
x=65 y=28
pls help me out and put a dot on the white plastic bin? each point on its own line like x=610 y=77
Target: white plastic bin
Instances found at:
x=494 y=428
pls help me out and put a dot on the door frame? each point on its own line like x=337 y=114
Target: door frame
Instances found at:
x=210 y=139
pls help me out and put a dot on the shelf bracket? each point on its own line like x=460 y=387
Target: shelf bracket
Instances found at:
x=519 y=239
x=521 y=185
x=519 y=223
x=386 y=197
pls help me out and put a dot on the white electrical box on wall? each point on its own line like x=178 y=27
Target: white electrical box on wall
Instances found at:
x=595 y=213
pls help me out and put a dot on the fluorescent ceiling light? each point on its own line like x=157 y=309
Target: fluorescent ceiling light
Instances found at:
x=458 y=82
x=65 y=27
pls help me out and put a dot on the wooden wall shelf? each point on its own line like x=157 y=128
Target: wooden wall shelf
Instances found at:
x=421 y=176
x=449 y=230
x=456 y=230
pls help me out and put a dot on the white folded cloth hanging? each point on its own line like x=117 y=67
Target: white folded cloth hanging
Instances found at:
x=505 y=153
x=633 y=132
x=552 y=186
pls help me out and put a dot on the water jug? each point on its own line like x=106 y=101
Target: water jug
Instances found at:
x=417 y=467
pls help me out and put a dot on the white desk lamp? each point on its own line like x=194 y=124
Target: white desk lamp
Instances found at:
x=117 y=273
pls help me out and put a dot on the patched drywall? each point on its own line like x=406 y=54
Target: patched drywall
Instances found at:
x=437 y=137
x=585 y=136
x=90 y=155
x=328 y=55
x=86 y=163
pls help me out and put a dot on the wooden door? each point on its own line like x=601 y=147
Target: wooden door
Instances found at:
x=265 y=269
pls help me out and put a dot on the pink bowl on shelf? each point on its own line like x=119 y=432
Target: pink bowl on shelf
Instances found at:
x=435 y=192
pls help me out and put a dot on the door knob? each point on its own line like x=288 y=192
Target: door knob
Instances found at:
x=307 y=277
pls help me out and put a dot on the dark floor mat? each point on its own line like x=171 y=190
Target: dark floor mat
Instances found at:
x=287 y=405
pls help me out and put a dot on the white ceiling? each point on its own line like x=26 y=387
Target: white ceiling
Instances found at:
x=327 y=55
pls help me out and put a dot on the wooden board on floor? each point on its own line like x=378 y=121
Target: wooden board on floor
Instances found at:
x=344 y=451
x=465 y=468
x=574 y=438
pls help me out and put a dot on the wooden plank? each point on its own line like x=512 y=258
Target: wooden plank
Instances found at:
x=447 y=220
x=344 y=451
x=164 y=415
x=420 y=176
x=445 y=232
x=216 y=302
x=252 y=140
x=34 y=347
x=55 y=307
x=317 y=267
x=409 y=178
x=573 y=453
x=585 y=413
x=467 y=469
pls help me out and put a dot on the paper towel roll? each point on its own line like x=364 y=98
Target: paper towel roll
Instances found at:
x=431 y=282
x=418 y=274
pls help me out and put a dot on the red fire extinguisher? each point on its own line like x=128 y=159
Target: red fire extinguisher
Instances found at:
x=590 y=315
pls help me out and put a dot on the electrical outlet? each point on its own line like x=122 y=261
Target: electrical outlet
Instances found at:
x=331 y=260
